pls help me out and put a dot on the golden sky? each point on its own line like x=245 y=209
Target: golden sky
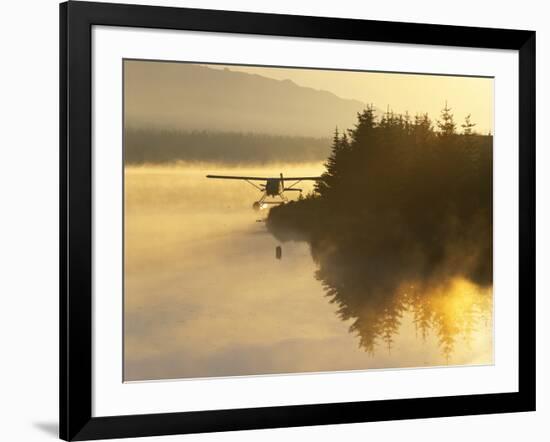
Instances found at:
x=414 y=93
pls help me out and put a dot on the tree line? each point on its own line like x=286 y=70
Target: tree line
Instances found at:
x=154 y=145
x=404 y=201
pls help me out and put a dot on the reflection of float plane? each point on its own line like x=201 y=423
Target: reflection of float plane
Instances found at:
x=273 y=187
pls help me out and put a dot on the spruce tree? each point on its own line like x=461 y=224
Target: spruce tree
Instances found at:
x=366 y=121
x=468 y=126
x=446 y=124
x=331 y=175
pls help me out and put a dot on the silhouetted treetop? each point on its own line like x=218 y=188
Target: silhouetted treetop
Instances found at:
x=446 y=124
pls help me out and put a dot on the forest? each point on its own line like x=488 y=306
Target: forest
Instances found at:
x=153 y=145
x=404 y=210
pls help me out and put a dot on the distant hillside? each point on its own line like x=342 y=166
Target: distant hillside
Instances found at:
x=162 y=146
x=181 y=96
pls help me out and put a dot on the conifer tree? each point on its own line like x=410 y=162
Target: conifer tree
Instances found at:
x=407 y=122
x=446 y=124
x=331 y=175
x=366 y=121
x=468 y=126
x=422 y=128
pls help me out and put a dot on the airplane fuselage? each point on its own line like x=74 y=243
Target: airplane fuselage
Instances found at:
x=273 y=187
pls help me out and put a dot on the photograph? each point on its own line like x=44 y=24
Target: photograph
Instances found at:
x=283 y=220
x=275 y=221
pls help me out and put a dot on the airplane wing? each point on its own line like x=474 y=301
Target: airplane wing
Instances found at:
x=257 y=178
x=247 y=178
x=302 y=178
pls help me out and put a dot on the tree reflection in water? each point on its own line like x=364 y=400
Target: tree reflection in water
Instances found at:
x=452 y=309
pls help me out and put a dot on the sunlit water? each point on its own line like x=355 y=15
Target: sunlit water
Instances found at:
x=206 y=296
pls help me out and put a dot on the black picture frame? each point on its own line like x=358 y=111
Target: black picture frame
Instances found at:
x=76 y=21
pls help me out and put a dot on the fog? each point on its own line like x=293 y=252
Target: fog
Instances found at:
x=232 y=148
x=205 y=295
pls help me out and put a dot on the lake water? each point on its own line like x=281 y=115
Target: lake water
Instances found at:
x=206 y=296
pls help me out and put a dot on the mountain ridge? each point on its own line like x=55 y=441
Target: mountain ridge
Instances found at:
x=187 y=96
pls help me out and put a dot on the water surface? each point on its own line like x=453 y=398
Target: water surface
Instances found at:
x=206 y=296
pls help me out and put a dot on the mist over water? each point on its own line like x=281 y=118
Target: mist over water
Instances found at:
x=205 y=295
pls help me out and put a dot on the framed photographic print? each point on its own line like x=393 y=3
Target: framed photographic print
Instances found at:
x=272 y=220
